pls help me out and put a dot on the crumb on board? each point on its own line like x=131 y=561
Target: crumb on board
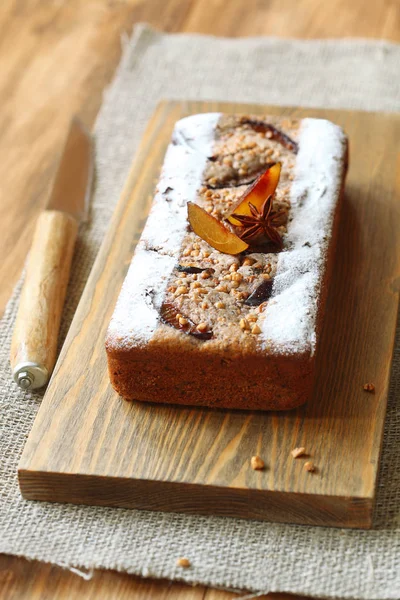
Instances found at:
x=296 y=452
x=309 y=466
x=183 y=562
x=369 y=387
x=257 y=463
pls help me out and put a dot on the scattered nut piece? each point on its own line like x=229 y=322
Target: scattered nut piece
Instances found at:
x=248 y=261
x=369 y=387
x=309 y=466
x=183 y=562
x=298 y=452
x=243 y=324
x=219 y=304
x=182 y=289
x=257 y=463
x=255 y=329
x=202 y=327
x=183 y=321
x=237 y=277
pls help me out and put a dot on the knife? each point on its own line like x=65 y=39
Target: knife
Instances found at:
x=34 y=343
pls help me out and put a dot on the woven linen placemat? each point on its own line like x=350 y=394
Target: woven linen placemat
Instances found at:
x=261 y=557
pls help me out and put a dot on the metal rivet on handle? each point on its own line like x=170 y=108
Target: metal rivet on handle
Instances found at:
x=25 y=380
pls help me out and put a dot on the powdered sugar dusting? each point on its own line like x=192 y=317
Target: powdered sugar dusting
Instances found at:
x=290 y=317
x=136 y=317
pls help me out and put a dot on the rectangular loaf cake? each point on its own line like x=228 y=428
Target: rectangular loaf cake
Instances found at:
x=196 y=326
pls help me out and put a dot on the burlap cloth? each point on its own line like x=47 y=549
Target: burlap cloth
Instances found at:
x=224 y=552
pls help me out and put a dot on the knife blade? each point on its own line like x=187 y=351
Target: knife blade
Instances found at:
x=35 y=336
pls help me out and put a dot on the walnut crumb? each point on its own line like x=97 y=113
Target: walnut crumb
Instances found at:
x=309 y=466
x=183 y=562
x=243 y=324
x=248 y=262
x=181 y=290
x=255 y=329
x=298 y=452
x=369 y=387
x=202 y=327
x=257 y=463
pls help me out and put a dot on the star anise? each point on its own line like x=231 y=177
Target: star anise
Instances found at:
x=260 y=223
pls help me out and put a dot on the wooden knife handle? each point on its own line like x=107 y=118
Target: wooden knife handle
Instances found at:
x=34 y=343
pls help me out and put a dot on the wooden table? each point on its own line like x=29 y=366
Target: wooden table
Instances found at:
x=56 y=58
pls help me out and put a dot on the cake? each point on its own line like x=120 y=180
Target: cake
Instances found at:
x=227 y=312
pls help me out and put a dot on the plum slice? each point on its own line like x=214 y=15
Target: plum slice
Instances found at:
x=170 y=315
x=213 y=232
x=261 y=294
x=264 y=186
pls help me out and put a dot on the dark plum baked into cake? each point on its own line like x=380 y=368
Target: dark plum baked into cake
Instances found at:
x=224 y=299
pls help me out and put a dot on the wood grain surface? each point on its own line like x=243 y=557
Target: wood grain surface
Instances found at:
x=21 y=579
x=84 y=35
x=89 y=446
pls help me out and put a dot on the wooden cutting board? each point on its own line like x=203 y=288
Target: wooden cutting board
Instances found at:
x=89 y=446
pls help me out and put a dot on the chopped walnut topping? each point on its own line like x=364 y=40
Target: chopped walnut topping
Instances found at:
x=182 y=289
x=309 y=466
x=244 y=324
x=202 y=327
x=369 y=387
x=248 y=261
x=183 y=562
x=205 y=275
x=257 y=463
x=240 y=153
x=298 y=452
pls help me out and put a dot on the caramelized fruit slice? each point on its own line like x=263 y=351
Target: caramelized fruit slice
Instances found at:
x=261 y=294
x=170 y=315
x=264 y=186
x=193 y=269
x=213 y=232
x=272 y=132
